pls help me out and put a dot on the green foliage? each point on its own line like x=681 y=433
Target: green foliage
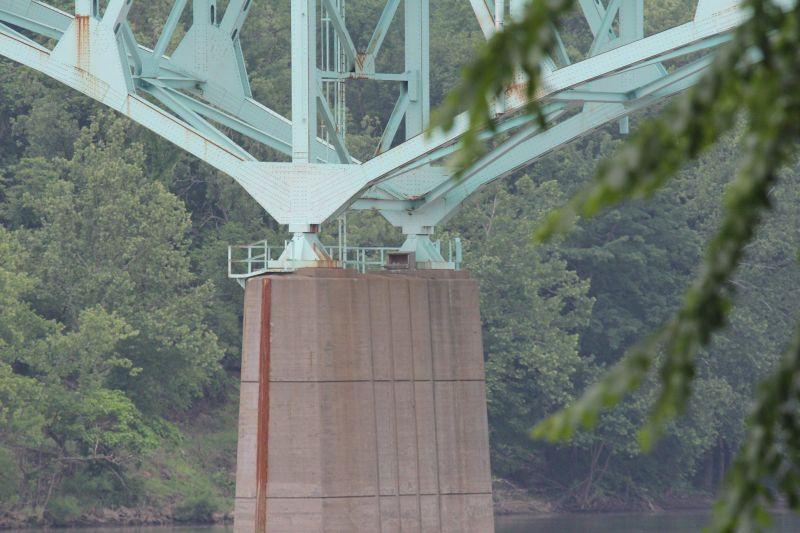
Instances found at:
x=126 y=239
x=770 y=452
x=9 y=479
x=103 y=332
x=532 y=307
x=547 y=332
x=62 y=510
x=655 y=153
x=523 y=46
x=762 y=92
x=198 y=508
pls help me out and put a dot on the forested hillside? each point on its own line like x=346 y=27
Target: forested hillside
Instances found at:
x=120 y=334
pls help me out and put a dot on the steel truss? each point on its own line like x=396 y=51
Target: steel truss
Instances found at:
x=200 y=94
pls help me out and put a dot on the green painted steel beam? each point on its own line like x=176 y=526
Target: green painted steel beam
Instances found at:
x=604 y=33
x=36 y=17
x=304 y=76
x=176 y=104
x=235 y=16
x=485 y=16
x=590 y=96
x=361 y=75
x=394 y=122
x=346 y=41
x=593 y=13
x=166 y=34
x=203 y=91
x=417 y=64
x=42 y=25
x=219 y=116
x=327 y=116
x=382 y=28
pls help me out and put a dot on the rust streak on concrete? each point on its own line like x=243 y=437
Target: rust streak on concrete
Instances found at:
x=353 y=367
x=262 y=451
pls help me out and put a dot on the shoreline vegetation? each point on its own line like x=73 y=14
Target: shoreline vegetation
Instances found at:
x=509 y=500
x=512 y=500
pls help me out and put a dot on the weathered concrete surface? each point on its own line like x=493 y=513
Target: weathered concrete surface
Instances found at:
x=363 y=405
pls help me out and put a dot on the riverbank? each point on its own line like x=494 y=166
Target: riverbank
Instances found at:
x=512 y=500
x=509 y=500
x=120 y=517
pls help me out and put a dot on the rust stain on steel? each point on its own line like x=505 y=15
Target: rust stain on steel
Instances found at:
x=518 y=90
x=323 y=260
x=262 y=446
x=361 y=61
x=82 y=44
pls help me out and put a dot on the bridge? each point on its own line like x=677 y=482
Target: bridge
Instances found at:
x=362 y=400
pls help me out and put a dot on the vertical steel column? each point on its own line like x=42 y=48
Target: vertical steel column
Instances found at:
x=304 y=80
x=417 y=45
x=631 y=21
x=305 y=245
x=204 y=12
x=417 y=20
x=166 y=35
x=204 y=15
x=84 y=8
x=235 y=15
x=631 y=28
x=516 y=9
x=499 y=14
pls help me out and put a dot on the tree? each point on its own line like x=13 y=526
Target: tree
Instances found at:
x=765 y=95
x=59 y=413
x=636 y=258
x=532 y=306
x=125 y=238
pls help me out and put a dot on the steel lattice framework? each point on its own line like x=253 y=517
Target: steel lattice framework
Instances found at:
x=200 y=93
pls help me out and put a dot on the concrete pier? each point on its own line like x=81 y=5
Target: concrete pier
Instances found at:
x=363 y=405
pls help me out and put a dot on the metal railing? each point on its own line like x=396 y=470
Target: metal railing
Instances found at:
x=455 y=253
x=246 y=260
x=249 y=260
x=361 y=258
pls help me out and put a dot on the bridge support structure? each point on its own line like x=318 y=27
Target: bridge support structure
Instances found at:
x=198 y=96
x=362 y=400
x=363 y=404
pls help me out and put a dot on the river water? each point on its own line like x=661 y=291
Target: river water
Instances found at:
x=625 y=523
x=588 y=523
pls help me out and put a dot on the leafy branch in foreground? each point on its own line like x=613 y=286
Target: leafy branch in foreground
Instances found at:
x=770 y=452
x=757 y=77
x=521 y=47
x=762 y=91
